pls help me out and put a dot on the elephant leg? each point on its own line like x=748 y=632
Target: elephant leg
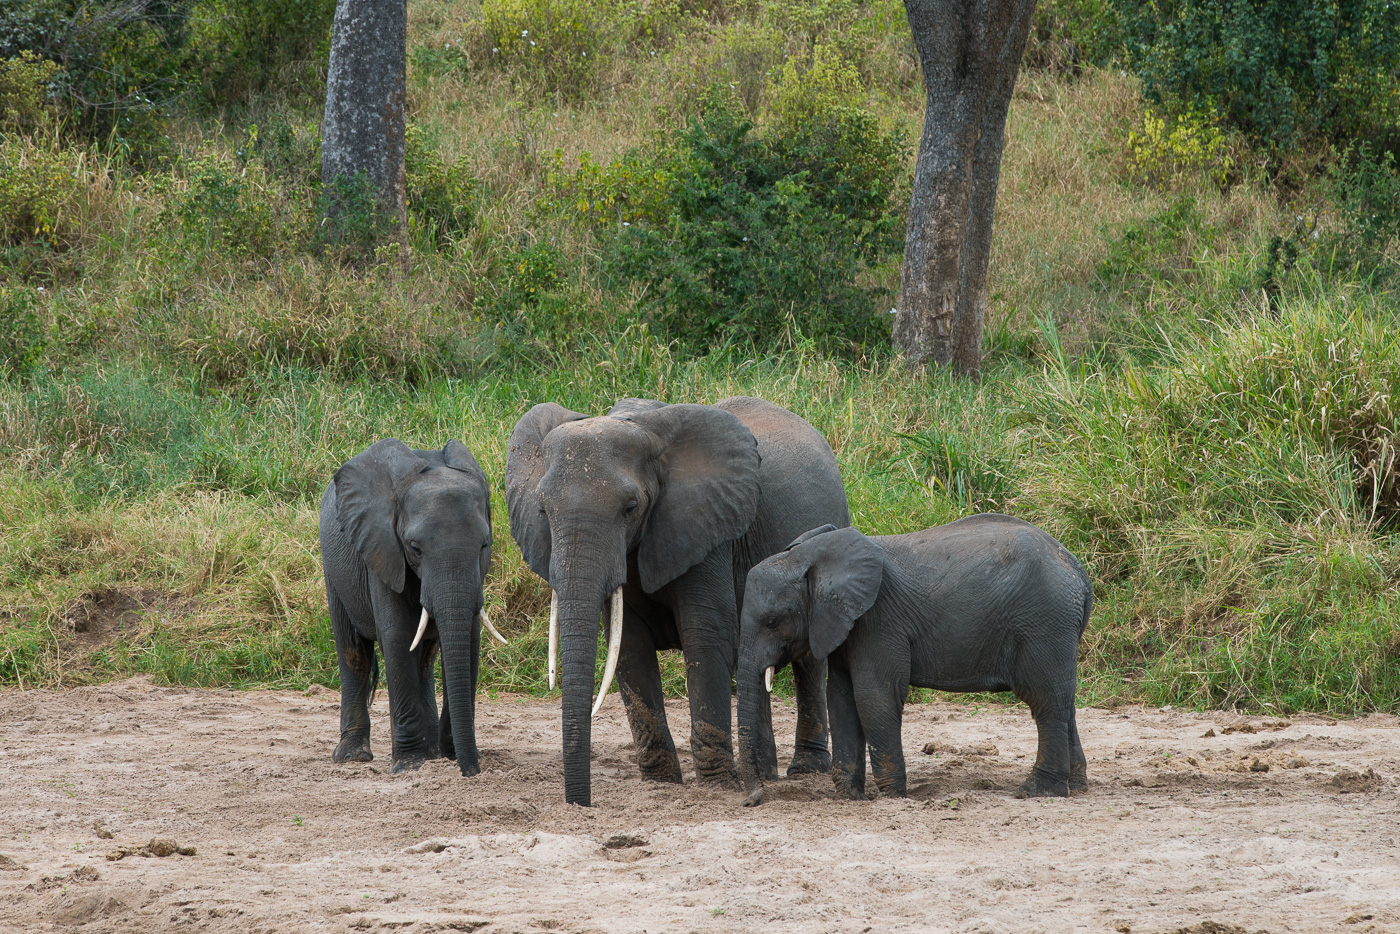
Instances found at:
x=397 y=620
x=847 y=738
x=445 y=742
x=880 y=703
x=1053 y=710
x=427 y=694
x=709 y=628
x=359 y=670
x=810 y=753
x=639 y=682
x=1078 y=764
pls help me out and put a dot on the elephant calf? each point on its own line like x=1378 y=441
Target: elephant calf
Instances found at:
x=406 y=538
x=986 y=603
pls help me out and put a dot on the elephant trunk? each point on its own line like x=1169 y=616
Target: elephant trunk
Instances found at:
x=578 y=643
x=457 y=614
x=753 y=699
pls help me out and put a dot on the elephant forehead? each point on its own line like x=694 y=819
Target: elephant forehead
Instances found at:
x=598 y=443
x=779 y=575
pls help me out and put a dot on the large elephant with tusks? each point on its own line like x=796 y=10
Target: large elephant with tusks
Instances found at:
x=661 y=510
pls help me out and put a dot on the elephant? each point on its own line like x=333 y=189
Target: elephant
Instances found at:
x=665 y=508
x=405 y=540
x=986 y=603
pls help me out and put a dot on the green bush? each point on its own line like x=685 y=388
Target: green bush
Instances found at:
x=767 y=235
x=38 y=193
x=1069 y=34
x=235 y=213
x=557 y=42
x=1282 y=71
x=1365 y=189
x=22 y=334
x=441 y=197
x=24 y=90
x=242 y=47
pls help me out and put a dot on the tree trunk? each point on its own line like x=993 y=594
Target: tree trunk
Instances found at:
x=362 y=137
x=970 y=51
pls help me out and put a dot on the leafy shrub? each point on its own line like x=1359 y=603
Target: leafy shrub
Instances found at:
x=22 y=334
x=24 y=89
x=1279 y=70
x=228 y=212
x=38 y=194
x=631 y=189
x=1068 y=34
x=556 y=41
x=1366 y=191
x=1158 y=248
x=1168 y=150
x=246 y=46
x=768 y=235
x=441 y=197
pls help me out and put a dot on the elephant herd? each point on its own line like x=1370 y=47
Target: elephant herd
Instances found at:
x=719 y=530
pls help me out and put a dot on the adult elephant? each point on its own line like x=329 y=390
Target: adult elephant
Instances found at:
x=665 y=508
x=405 y=540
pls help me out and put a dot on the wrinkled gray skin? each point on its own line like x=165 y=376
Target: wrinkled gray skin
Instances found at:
x=675 y=503
x=403 y=530
x=987 y=603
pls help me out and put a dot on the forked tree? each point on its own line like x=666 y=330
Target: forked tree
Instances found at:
x=362 y=136
x=970 y=51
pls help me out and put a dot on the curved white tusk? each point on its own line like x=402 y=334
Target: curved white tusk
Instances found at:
x=768 y=678
x=486 y=621
x=614 y=649
x=553 y=637
x=422 y=628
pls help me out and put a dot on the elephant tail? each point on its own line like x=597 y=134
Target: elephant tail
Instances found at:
x=1088 y=603
x=373 y=675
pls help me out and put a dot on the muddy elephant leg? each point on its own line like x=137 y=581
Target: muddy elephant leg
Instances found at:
x=708 y=621
x=880 y=703
x=810 y=752
x=847 y=738
x=427 y=652
x=359 y=670
x=396 y=620
x=639 y=682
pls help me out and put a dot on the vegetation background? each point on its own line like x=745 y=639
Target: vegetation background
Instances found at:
x=1192 y=356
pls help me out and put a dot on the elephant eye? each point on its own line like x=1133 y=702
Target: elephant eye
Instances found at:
x=631 y=507
x=771 y=622
x=415 y=548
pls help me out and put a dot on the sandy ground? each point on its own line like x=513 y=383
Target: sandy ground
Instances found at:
x=1283 y=829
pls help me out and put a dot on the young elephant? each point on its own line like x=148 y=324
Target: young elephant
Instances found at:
x=986 y=603
x=405 y=538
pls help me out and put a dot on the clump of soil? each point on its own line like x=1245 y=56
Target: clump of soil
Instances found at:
x=1347 y=781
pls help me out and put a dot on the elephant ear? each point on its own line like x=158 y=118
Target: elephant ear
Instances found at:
x=708 y=474
x=525 y=465
x=843 y=578
x=456 y=456
x=822 y=530
x=366 y=504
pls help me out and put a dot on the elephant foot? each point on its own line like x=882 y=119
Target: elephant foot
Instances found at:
x=729 y=779
x=407 y=764
x=1078 y=780
x=352 y=749
x=846 y=789
x=809 y=763
x=469 y=769
x=669 y=775
x=1040 y=785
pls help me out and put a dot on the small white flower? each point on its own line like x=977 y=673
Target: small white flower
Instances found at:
x=894 y=311
x=41 y=288
x=495 y=51
x=585 y=54
x=625 y=224
x=524 y=32
x=746 y=239
x=532 y=41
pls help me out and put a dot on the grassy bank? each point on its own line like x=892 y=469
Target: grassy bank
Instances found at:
x=1183 y=383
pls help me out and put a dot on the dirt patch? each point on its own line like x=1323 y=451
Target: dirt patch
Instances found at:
x=286 y=840
x=97 y=618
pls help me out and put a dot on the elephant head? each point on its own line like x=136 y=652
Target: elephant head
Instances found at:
x=421 y=522
x=661 y=484
x=798 y=602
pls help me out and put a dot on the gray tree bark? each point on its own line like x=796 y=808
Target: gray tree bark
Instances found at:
x=362 y=136
x=970 y=51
